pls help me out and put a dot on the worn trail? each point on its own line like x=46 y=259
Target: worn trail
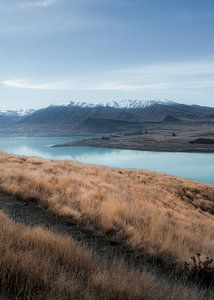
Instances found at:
x=106 y=246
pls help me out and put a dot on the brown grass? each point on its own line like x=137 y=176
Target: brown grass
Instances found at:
x=37 y=264
x=156 y=213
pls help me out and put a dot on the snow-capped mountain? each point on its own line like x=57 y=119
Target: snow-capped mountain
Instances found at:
x=109 y=117
x=16 y=113
x=8 y=113
x=138 y=104
x=123 y=104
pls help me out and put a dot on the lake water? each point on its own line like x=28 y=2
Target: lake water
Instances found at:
x=196 y=166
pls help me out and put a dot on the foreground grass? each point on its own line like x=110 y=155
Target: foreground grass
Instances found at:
x=37 y=264
x=155 y=213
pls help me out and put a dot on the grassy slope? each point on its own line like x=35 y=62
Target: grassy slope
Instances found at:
x=156 y=213
x=37 y=264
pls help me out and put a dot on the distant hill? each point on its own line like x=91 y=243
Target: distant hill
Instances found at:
x=9 y=117
x=86 y=118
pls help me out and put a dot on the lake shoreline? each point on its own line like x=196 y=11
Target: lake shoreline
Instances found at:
x=129 y=148
x=193 y=165
x=142 y=143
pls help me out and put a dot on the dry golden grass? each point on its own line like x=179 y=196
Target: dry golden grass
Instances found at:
x=159 y=214
x=37 y=264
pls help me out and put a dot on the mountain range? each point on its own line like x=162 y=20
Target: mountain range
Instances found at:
x=113 y=117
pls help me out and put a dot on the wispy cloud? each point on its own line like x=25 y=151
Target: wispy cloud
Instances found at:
x=70 y=85
x=25 y=84
x=38 y=3
x=154 y=78
x=35 y=18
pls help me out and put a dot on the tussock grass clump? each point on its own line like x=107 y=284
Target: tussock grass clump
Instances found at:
x=200 y=271
x=156 y=213
x=37 y=264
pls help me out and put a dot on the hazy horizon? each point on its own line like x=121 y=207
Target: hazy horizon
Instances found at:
x=54 y=51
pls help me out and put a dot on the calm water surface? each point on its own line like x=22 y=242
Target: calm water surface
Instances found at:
x=196 y=166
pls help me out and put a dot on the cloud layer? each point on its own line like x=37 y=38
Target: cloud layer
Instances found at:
x=154 y=78
x=105 y=49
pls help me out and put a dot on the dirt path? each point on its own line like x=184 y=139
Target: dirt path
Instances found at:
x=105 y=246
x=32 y=214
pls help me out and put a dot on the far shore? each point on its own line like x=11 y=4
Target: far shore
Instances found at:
x=163 y=141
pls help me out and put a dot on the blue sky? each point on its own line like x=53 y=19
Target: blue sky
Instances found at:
x=52 y=51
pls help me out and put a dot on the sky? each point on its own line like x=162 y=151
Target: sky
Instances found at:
x=52 y=51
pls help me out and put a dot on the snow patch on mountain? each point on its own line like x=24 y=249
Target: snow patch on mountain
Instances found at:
x=124 y=104
x=16 y=113
x=138 y=104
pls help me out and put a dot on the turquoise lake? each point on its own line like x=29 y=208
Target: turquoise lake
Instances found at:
x=196 y=166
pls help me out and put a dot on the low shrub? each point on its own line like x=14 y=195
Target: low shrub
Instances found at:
x=199 y=270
